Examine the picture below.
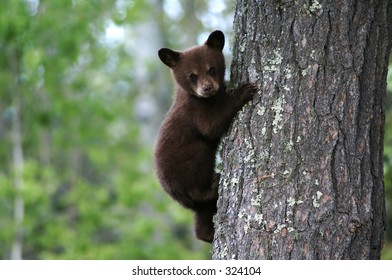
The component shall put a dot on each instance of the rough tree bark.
(302, 170)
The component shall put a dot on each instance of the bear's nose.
(208, 88)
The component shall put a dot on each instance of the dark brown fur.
(190, 134)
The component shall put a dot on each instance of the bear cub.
(189, 136)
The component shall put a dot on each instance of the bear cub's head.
(199, 70)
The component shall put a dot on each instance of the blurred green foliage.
(88, 186)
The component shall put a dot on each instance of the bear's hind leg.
(204, 226)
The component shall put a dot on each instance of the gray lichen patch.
(316, 199)
(277, 108)
(274, 62)
(314, 8)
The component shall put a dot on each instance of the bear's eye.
(212, 71)
(193, 78)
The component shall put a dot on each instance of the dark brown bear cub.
(201, 113)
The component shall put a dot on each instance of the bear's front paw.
(246, 91)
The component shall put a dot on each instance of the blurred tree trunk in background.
(17, 155)
(303, 165)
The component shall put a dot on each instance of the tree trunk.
(17, 158)
(302, 170)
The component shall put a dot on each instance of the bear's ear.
(169, 57)
(216, 40)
